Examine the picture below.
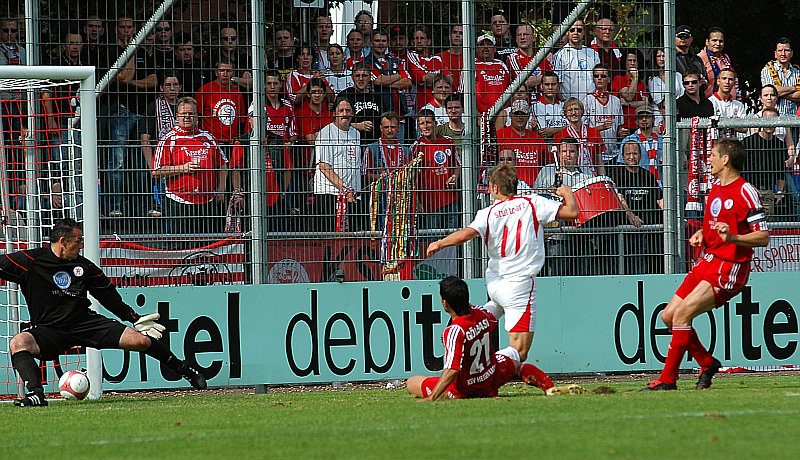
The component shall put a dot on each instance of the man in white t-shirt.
(604, 112)
(338, 176)
(725, 103)
(574, 64)
(548, 109)
(512, 230)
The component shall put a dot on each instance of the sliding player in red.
(734, 223)
(472, 369)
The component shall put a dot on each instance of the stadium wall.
(316, 333)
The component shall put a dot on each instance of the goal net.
(48, 148)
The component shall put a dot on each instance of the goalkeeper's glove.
(148, 326)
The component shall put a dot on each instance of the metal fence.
(296, 194)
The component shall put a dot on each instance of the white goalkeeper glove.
(148, 326)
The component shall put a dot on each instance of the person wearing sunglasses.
(693, 103)
(574, 64)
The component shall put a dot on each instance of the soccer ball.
(74, 385)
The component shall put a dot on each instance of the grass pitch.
(740, 417)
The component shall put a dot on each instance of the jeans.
(120, 126)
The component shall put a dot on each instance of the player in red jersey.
(471, 368)
(734, 223)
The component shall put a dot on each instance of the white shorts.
(515, 299)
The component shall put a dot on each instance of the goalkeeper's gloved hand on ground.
(148, 326)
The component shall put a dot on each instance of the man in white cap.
(530, 150)
(492, 76)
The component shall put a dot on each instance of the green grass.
(741, 417)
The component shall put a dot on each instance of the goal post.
(77, 185)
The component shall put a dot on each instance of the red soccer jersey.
(454, 63)
(295, 81)
(310, 122)
(222, 111)
(491, 80)
(438, 165)
(530, 150)
(418, 66)
(179, 147)
(467, 348)
(518, 60)
(738, 205)
(629, 113)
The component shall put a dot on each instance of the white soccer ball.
(74, 385)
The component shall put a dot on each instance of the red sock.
(532, 374)
(677, 348)
(699, 352)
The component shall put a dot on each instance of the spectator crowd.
(176, 120)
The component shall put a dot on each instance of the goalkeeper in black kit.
(55, 281)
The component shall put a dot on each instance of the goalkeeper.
(55, 281)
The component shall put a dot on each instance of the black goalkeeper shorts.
(90, 330)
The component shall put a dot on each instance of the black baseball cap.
(683, 32)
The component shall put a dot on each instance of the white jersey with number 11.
(513, 234)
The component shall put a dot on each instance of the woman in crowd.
(297, 81)
(630, 89)
(339, 77)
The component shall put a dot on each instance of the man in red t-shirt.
(423, 66)
(437, 182)
(196, 172)
(517, 61)
(221, 106)
(452, 58)
(734, 223)
(491, 75)
(529, 148)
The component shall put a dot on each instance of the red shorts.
(504, 372)
(727, 278)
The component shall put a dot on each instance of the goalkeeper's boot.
(704, 381)
(193, 376)
(31, 399)
(657, 385)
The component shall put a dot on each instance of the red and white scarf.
(651, 146)
(584, 156)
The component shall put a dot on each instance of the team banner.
(128, 263)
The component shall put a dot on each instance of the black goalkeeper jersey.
(55, 289)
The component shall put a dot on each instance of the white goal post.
(35, 80)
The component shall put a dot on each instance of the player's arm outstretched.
(454, 239)
(106, 293)
(569, 211)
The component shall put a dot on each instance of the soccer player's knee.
(138, 342)
(666, 317)
(21, 342)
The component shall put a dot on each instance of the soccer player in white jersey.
(512, 231)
